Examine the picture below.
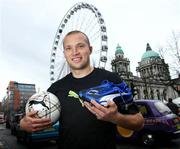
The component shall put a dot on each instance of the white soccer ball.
(47, 105)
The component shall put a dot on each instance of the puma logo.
(76, 96)
(39, 102)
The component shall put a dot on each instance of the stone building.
(153, 77)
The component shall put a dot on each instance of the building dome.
(149, 53)
(119, 50)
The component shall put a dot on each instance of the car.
(177, 100)
(48, 134)
(159, 124)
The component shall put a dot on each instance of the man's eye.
(67, 49)
(81, 46)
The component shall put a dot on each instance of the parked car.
(48, 134)
(160, 124)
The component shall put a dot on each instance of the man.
(172, 106)
(84, 125)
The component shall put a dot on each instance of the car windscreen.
(162, 108)
(177, 102)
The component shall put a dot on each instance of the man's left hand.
(106, 113)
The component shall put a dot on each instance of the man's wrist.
(117, 118)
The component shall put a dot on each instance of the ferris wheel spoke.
(92, 25)
(89, 21)
(82, 19)
(75, 23)
(78, 19)
(95, 36)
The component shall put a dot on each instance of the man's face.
(77, 51)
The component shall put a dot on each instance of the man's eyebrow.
(81, 43)
(67, 46)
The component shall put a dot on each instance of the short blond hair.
(77, 32)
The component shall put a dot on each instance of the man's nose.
(75, 50)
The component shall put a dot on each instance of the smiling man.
(85, 125)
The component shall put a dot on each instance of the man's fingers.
(37, 120)
(31, 114)
(89, 107)
(95, 108)
(41, 126)
(98, 106)
(92, 109)
(110, 103)
(42, 121)
(100, 111)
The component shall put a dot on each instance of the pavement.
(2, 145)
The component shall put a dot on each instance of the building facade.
(153, 77)
(16, 98)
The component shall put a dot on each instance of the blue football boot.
(120, 93)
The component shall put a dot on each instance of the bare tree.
(162, 51)
(174, 52)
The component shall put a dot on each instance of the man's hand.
(108, 113)
(111, 114)
(31, 124)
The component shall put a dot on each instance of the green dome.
(119, 50)
(149, 53)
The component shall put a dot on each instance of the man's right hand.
(31, 124)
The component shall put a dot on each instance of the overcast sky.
(28, 27)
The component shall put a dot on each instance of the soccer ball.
(47, 105)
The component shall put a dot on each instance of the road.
(8, 141)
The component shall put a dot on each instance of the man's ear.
(90, 48)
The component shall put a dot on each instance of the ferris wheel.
(86, 18)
